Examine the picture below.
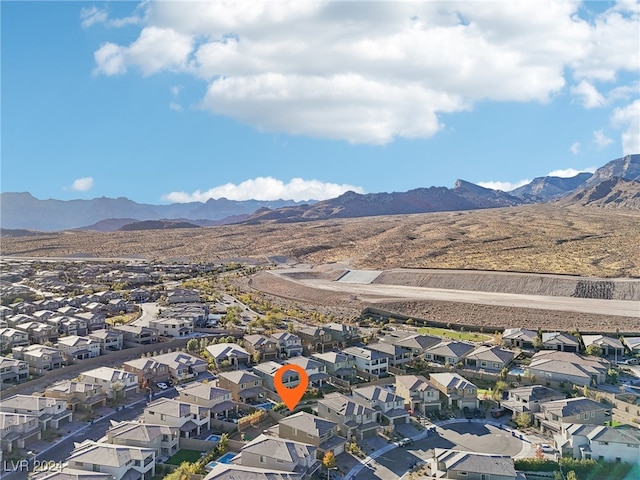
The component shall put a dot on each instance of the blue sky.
(179, 101)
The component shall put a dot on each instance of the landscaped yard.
(453, 335)
(184, 456)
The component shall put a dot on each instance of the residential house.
(290, 345)
(562, 342)
(172, 327)
(223, 471)
(230, 352)
(265, 348)
(416, 343)
(78, 395)
(68, 310)
(370, 361)
(139, 295)
(598, 442)
(39, 332)
(315, 339)
(455, 390)
(342, 334)
(528, 399)
(66, 473)
(219, 401)
(19, 319)
(189, 418)
(182, 366)
(122, 462)
(338, 365)
(245, 387)
(182, 295)
(418, 393)
(74, 347)
(43, 315)
(313, 430)
(18, 430)
(316, 371)
(136, 334)
(51, 412)
(10, 337)
(41, 359)
(267, 371)
(519, 338)
(472, 466)
(96, 308)
(553, 415)
(396, 354)
(489, 358)
(448, 352)
(12, 371)
(633, 344)
(390, 405)
(116, 306)
(105, 296)
(571, 368)
(611, 347)
(278, 454)
(161, 438)
(148, 370)
(115, 382)
(110, 340)
(69, 325)
(95, 320)
(354, 417)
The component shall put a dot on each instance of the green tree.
(499, 388)
(223, 444)
(594, 350)
(290, 327)
(255, 357)
(571, 475)
(523, 420)
(193, 345)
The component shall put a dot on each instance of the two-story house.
(266, 347)
(51, 412)
(137, 334)
(355, 418)
(232, 353)
(338, 364)
(598, 442)
(367, 360)
(10, 337)
(316, 371)
(95, 320)
(190, 419)
(182, 366)
(342, 334)
(218, 401)
(148, 370)
(110, 340)
(74, 347)
(18, 430)
(455, 390)
(78, 395)
(245, 387)
(396, 354)
(418, 393)
(553, 415)
(489, 358)
(290, 345)
(390, 405)
(161, 438)
(172, 327)
(13, 371)
(41, 359)
(278, 454)
(122, 462)
(116, 383)
(528, 399)
(267, 371)
(316, 340)
(39, 332)
(313, 430)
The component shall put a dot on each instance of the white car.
(546, 448)
(162, 386)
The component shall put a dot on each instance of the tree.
(290, 327)
(499, 388)
(192, 345)
(223, 444)
(116, 388)
(329, 460)
(523, 420)
(571, 475)
(594, 350)
(255, 357)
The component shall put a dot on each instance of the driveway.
(458, 435)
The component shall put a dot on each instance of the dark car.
(498, 412)
(477, 413)
(467, 413)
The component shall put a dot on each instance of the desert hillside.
(535, 238)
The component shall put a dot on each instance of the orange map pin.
(291, 396)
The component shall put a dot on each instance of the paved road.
(473, 437)
(383, 293)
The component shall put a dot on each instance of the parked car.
(477, 413)
(546, 448)
(404, 442)
(498, 412)
(162, 385)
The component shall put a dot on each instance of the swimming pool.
(518, 371)
(213, 438)
(226, 459)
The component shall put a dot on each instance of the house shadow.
(471, 428)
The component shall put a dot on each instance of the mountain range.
(616, 184)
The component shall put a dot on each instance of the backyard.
(190, 456)
(453, 335)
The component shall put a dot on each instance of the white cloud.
(629, 118)
(600, 139)
(504, 186)
(569, 172)
(575, 148)
(369, 75)
(266, 188)
(92, 15)
(176, 107)
(82, 184)
(588, 95)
